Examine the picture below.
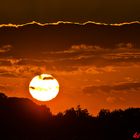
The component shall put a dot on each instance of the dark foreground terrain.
(21, 119)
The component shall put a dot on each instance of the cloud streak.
(5, 48)
(67, 22)
(109, 88)
(77, 59)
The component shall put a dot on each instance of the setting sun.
(44, 87)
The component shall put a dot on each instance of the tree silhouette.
(104, 113)
(21, 118)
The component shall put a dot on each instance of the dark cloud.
(48, 78)
(110, 88)
(66, 47)
(52, 10)
(32, 87)
(96, 56)
(67, 38)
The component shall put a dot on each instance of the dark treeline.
(22, 119)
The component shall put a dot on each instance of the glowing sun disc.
(44, 87)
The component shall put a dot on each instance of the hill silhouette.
(22, 119)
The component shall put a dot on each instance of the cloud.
(83, 47)
(9, 61)
(80, 59)
(48, 78)
(67, 22)
(125, 54)
(78, 50)
(70, 47)
(21, 70)
(125, 46)
(109, 88)
(5, 48)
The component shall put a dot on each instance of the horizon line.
(67, 22)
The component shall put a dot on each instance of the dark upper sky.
(109, 11)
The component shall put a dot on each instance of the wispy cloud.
(67, 22)
(109, 88)
(5, 48)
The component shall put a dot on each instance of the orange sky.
(97, 66)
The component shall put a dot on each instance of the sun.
(44, 87)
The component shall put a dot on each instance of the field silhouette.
(22, 119)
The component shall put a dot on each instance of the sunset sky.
(96, 65)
